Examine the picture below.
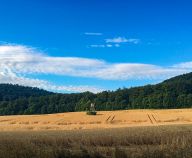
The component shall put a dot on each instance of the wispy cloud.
(114, 42)
(97, 46)
(93, 33)
(122, 40)
(10, 77)
(184, 65)
(17, 62)
(104, 45)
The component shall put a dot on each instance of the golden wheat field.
(103, 119)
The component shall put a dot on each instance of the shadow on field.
(137, 142)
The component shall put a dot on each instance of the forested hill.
(173, 93)
(10, 92)
(181, 78)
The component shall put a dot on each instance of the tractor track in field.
(152, 119)
(110, 119)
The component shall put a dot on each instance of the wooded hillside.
(173, 93)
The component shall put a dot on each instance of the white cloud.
(104, 45)
(109, 45)
(127, 71)
(122, 40)
(93, 33)
(17, 62)
(185, 65)
(134, 41)
(97, 46)
(7, 76)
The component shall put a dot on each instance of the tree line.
(173, 93)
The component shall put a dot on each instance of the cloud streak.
(93, 33)
(122, 40)
(14, 79)
(18, 61)
(104, 45)
(115, 42)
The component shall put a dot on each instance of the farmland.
(135, 142)
(103, 119)
(116, 134)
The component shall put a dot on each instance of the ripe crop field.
(171, 141)
(109, 134)
(103, 119)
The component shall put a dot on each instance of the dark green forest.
(173, 93)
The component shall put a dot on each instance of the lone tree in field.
(92, 111)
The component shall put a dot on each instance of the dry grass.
(104, 119)
(136, 142)
(151, 134)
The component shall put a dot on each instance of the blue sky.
(112, 44)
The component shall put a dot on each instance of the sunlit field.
(103, 119)
(118, 134)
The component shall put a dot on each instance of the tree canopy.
(173, 93)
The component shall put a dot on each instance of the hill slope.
(173, 93)
(11, 92)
